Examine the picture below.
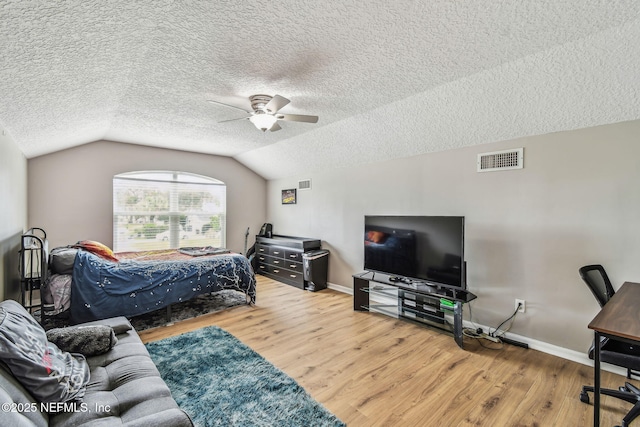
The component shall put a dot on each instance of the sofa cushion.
(48, 373)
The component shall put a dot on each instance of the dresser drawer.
(276, 252)
(290, 255)
(276, 262)
(289, 276)
(292, 265)
(262, 268)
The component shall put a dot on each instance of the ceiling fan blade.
(275, 127)
(297, 118)
(276, 103)
(227, 105)
(233, 120)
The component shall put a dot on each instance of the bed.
(94, 284)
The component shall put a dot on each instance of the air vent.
(305, 184)
(501, 160)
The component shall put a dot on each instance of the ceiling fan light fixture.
(264, 113)
(264, 122)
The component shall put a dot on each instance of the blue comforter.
(103, 289)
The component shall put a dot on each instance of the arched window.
(163, 209)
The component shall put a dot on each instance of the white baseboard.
(340, 288)
(565, 353)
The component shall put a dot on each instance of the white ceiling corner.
(386, 79)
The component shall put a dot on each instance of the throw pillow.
(89, 340)
(48, 373)
(96, 248)
(61, 260)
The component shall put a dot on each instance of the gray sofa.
(124, 388)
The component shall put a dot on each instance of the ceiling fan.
(265, 112)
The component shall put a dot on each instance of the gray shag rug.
(202, 304)
(219, 381)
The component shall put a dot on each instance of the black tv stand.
(422, 302)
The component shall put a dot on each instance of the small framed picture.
(289, 197)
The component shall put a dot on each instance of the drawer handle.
(261, 249)
(276, 262)
(293, 276)
(276, 271)
(276, 253)
(293, 256)
(262, 267)
(293, 266)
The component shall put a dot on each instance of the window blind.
(163, 209)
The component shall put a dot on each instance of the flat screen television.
(419, 248)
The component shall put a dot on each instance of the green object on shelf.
(447, 303)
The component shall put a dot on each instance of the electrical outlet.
(520, 305)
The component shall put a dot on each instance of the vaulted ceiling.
(387, 79)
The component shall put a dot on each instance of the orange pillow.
(97, 248)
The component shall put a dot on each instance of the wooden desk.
(619, 319)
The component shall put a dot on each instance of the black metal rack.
(34, 250)
(419, 302)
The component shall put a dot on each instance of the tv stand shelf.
(421, 302)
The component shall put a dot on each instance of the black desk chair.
(615, 352)
(596, 278)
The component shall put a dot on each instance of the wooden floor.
(373, 370)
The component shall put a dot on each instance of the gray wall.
(528, 231)
(70, 191)
(13, 213)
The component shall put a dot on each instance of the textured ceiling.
(387, 79)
